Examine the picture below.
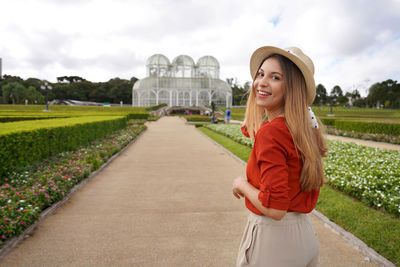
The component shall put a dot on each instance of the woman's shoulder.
(275, 127)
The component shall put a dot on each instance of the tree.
(360, 102)
(355, 94)
(32, 82)
(33, 96)
(239, 93)
(133, 80)
(388, 90)
(60, 91)
(342, 100)
(336, 91)
(70, 79)
(321, 95)
(14, 93)
(121, 90)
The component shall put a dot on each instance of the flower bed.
(371, 175)
(28, 191)
(368, 174)
(232, 131)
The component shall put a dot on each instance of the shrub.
(21, 146)
(152, 108)
(369, 127)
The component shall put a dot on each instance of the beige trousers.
(290, 242)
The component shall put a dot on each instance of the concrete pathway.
(165, 201)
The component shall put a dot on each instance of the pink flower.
(3, 236)
(18, 218)
(22, 223)
(16, 193)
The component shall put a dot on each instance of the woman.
(284, 171)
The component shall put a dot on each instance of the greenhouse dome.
(208, 66)
(157, 65)
(182, 83)
(183, 66)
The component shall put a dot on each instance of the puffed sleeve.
(244, 131)
(271, 157)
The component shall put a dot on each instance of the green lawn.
(354, 114)
(378, 230)
(66, 111)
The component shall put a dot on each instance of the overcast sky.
(352, 43)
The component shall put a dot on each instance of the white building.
(182, 83)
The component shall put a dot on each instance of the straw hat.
(301, 60)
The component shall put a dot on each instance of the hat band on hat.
(291, 52)
(314, 122)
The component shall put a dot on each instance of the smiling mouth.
(263, 93)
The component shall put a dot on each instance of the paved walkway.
(165, 201)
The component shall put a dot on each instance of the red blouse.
(274, 168)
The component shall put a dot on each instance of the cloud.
(349, 41)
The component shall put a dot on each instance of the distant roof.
(158, 59)
(208, 61)
(183, 60)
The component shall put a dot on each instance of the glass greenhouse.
(182, 83)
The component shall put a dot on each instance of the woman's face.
(269, 85)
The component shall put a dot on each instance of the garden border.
(10, 244)
(347, 236)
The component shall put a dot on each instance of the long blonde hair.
(309, 142)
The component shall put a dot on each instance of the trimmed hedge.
(138, 116)
(152, 108)
(12, 118)
(198, 118)
(328, 122)
(131, 116)
(364, 127)
(23, 145)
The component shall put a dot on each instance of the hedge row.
(138, 116)
(67, 111)
(152, 108)
(19, 147)
(364, 127)
(198, 118)
(34, 116)
(15, 118)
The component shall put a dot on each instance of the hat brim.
(263, 52)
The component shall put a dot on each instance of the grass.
(241, 151)
(353, 114)
(378, 230)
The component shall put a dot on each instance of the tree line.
(384, 94)
(15, 90)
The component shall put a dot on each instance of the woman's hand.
(237, 187)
